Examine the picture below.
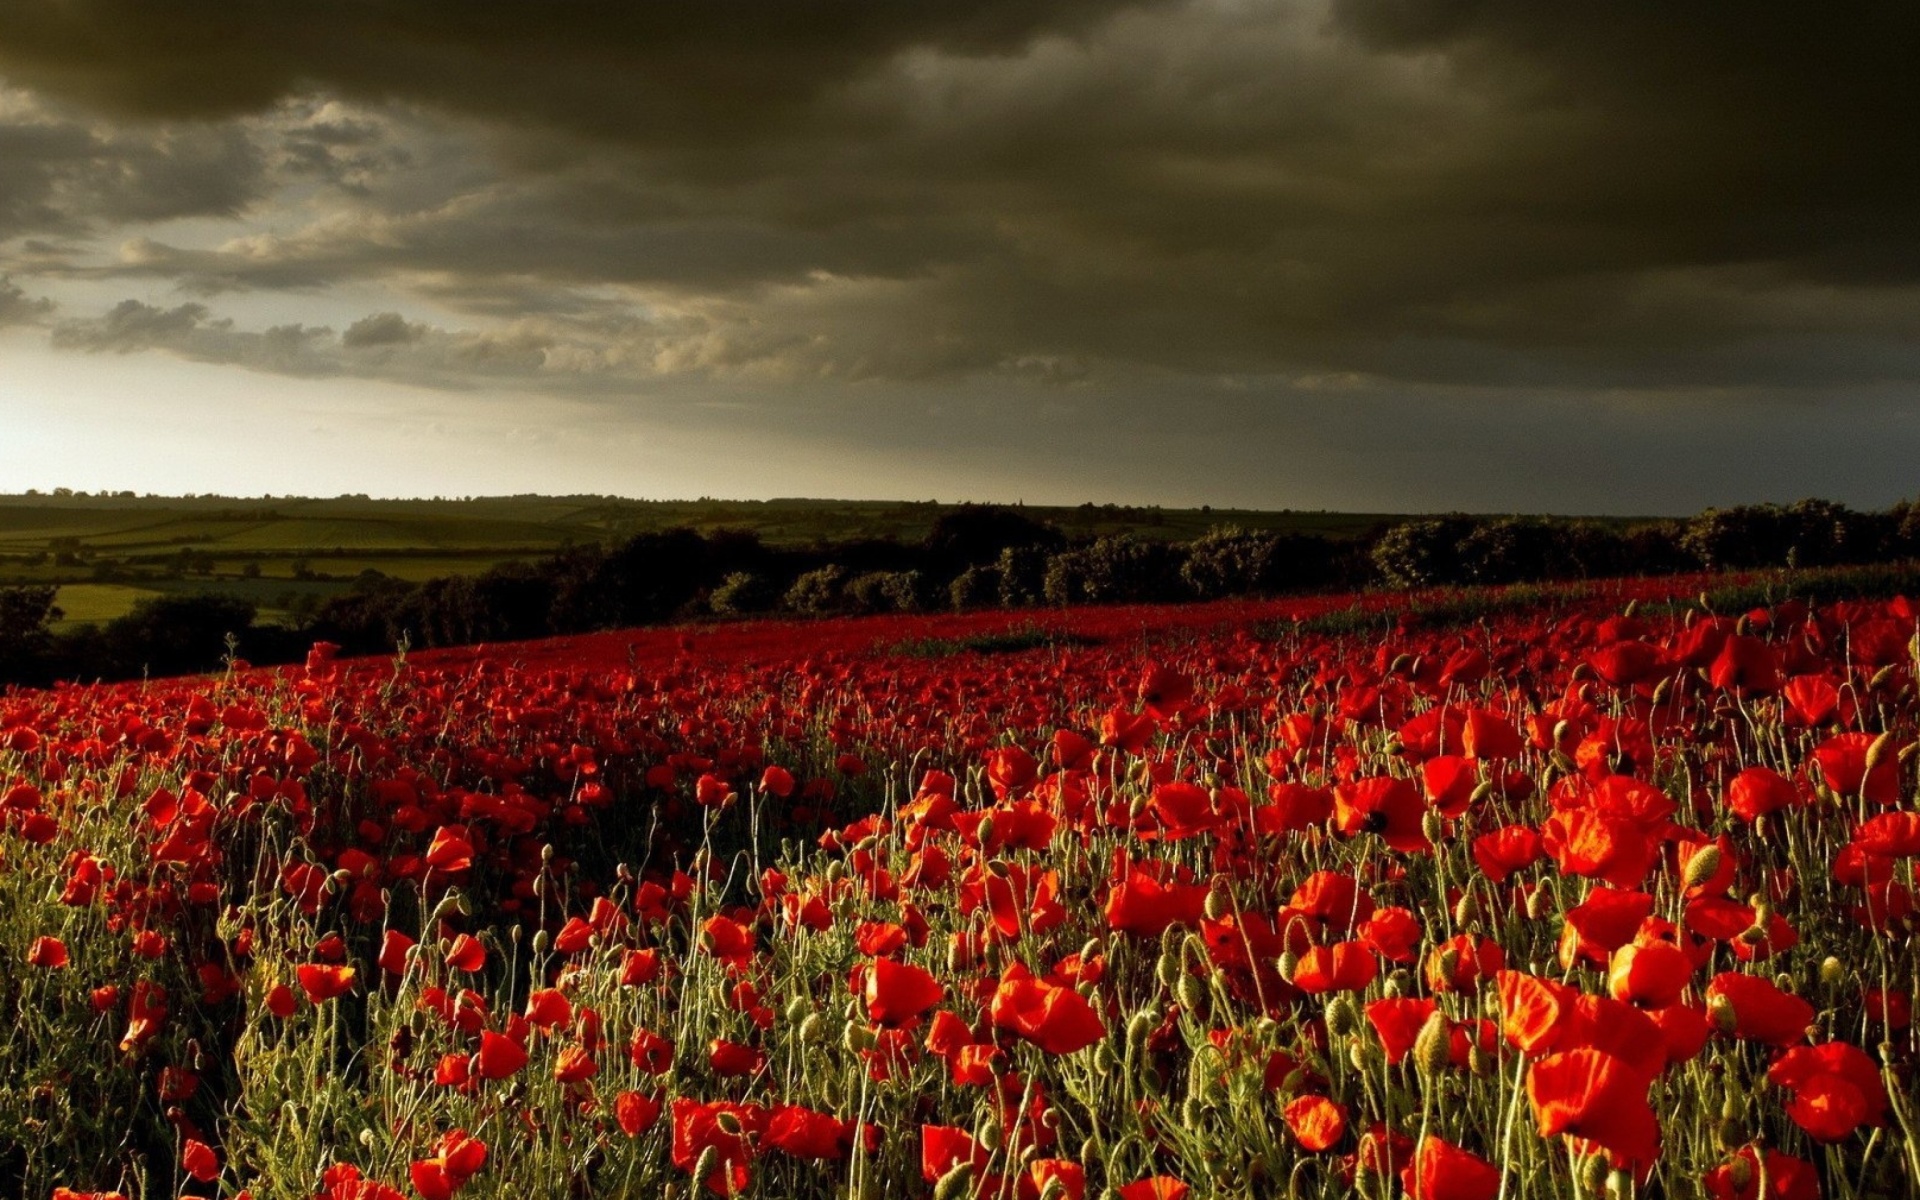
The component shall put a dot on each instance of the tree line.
(973, 557)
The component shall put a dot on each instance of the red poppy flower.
(635, 1112)
(1059, 1020)
(1341, 967)
(1596, 1097)
(1397, 1021)
(1070, 1174)
(1141, 904)
(499, 1056)
(322, 981)
(1459, 963)
(730, 1130)
(1441, 1170)
(48, 952)
(1158, 1187)
(200, 1161)
(1392, 808)
(1836, 1089)
(466, 954)
(1317, 1122)
(1757, 791)
(1651, 976)
(944, 1147)
(1533, 1011)
(1761, 1011)
(732, 1058)
(1786, 1177)
(899, 993)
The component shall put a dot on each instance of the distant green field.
(107, 552)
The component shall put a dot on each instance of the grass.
(1011, 641)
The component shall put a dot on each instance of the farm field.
(110, 551)
(1599, 891)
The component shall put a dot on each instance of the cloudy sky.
(1366, 254)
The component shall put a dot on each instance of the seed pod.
(1704, 865)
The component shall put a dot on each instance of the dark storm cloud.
(1422, 192)
(62, 175)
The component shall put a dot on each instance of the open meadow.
(1602, 893)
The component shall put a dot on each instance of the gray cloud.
(18, 308)
(1329, 198)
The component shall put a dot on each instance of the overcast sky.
(1373, 254)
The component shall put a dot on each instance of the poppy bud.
(1219, 901)
(1342, 1017)
(546, 854)
(1878, 751)
(706, 1164)
(1619, 1185)
(1140, 1028)
(1432, 825)
(1465, 911)
(1433, 1048)
(1720, 1009)
(728, 1123)
(1880, 677)
(810, 1029)
(1192, 993)
(1479, 1061)
(1537, 902)
(1740, 1173)
(856, 1038)
(954, 1183)
(1833, 972)
(541, 941)
(1704, 865)
(1662, 690)
(1286, 965)
(989, 1133)
(1593, 1171)
(986, 830)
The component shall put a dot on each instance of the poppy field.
(1607, 895)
